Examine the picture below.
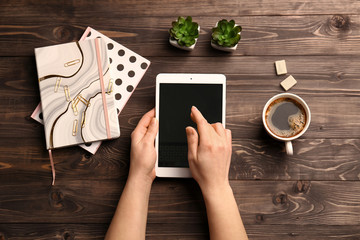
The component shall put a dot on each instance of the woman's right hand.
(209, 153)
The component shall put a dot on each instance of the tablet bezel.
(175, 78)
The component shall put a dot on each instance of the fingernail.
(188, 131)
(153, 121)
(195, 108)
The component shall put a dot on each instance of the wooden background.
(314, 194)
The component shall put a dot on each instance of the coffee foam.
(295, 121)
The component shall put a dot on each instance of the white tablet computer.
(175, 95)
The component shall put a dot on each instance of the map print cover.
(125, 82)
(76, 93)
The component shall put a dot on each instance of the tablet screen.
(175, 102)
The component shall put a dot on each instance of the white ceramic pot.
(176, 44)
(221, 48)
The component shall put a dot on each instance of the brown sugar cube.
(288, 83)
(280, 67)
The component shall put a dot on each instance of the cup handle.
(289, 148)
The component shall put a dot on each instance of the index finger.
(143, 125)
(201, 122)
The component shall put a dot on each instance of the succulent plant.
(226, 34)
(184, 31)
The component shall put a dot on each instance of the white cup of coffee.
(286, 117)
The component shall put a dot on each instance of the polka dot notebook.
(126, 66)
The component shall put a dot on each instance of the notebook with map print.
(78, 104)
(127, 67)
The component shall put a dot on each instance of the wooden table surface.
(314, 194)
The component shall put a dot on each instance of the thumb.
(193, 140)
(152, 130)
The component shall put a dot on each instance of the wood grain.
(314, 159)
(330, 87)
(52, 231)
(243, 117)
(311, 195)
(171, 231)
(176, 202)
(323, 76)
(332, 34)
(127, 8)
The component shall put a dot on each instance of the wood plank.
(148, 36)
(318, 159)
(266, 202)
(119, 9)
(28, 159)
(52, 231)
(265, 159)
(322, 76)
(330, 86)
(334, 117)
(180, 202)
(257, 232)
(172, 231)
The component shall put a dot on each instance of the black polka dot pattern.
(126, 65)
(121, 53)
(120, 67)
(144, 65)
(131, 73)
(132, 59)
(118, 96)
(89, 34)
(88, 144)
(41, 116)
(130, 88)
(118, 81)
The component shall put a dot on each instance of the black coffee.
(285, 117)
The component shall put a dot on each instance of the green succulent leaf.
(181, 20)
(184, 31)
(232, 23)
(226, 34)
(238, 29)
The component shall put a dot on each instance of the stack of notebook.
(64, 65)
(84, 86)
